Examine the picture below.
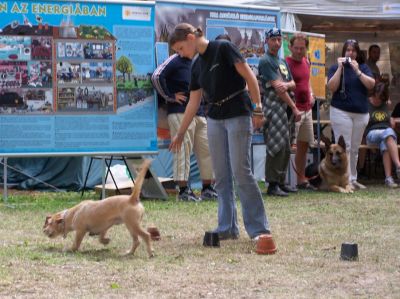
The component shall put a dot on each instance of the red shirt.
(301, 75)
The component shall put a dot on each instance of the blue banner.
(75, 78)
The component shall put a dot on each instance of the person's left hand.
(176, 143)
(355, 66)
(258, 121)
(279, 86)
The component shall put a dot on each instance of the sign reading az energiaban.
(75, 78)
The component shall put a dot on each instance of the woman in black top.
(222, 73)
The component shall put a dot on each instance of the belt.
(231, 96)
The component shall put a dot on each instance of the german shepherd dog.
(96, 217)
(333, 169)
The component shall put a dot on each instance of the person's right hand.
(296, 115)
(340, 61)
(176, 143)
(180, 98)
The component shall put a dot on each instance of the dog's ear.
(48, 217)
(326, 140)
(59, 218)
(341, 142)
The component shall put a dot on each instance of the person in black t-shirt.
(379, 132)
(221, 72)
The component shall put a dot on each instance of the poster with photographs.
(65, 64)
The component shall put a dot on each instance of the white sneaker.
(389, 182)
(357, 186)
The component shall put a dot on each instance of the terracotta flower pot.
(154, 233)
(265, 245)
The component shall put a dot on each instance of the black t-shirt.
(214, 71)
(379, 117)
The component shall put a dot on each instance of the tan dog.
(96, 217)
(333, 169)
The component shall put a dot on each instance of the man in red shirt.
(300, 69)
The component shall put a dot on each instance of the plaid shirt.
(276, 128)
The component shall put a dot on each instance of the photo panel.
(39, 74)
(97, 72)
(12, 101)
(38, 100)
(41, 47)
(69, 50)
(98, 50)
(68, 73)
(95, 98)
(13, 74)
(15, 47)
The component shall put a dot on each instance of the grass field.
(308, 228)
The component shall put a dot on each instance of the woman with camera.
(349, 81)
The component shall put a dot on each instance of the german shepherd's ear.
(341, 142)
(326, 140)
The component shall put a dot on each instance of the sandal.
(306, 186)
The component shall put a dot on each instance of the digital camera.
(347, 60)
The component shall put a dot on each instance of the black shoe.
(288, 189)
(276, 191)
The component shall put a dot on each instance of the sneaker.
(188, 195)
(258, 236)
(357, 186)
(208, 193)
(389, 182)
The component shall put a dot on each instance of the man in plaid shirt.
(277, 83)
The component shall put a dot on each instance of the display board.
(316, 56)
(75, 78)
(245, 25)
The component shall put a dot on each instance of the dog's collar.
(63, 215)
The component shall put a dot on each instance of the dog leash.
(295, 170)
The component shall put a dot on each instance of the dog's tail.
(134, 199)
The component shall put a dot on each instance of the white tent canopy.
(343, 8)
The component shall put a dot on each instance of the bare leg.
(392, 149)
(300, 159)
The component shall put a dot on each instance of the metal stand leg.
(87, 176)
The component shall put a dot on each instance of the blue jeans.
(379, 136)
(229, 142)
